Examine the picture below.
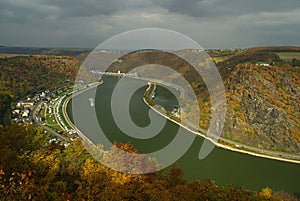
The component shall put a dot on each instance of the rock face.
(264, 107)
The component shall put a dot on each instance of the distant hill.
(228, 65)
(276, 49)
(42, 51)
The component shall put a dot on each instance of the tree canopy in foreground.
(31, 168)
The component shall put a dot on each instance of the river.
(222, 166)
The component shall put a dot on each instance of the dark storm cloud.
(218, 8)
(76, 8)
(212, 23)
(20, 10)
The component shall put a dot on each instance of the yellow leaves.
(243, 117)
(286, 132)
(228, 94)
(202, 124)
(289, 110)
(90, 169)
(215, 60)
(11, 179)
(269, 78)
(233, 96)
(206, 104)
(47, 164)
(236, 108)
(266, 193)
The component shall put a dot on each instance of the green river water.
(222, 166)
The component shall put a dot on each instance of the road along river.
(223, 166)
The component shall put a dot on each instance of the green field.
(60, 111)
(51, 122)
(288, 55)
(49, 118)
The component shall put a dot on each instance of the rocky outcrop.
(264, 107)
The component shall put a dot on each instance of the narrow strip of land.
(36, 122)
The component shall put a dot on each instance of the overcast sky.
(211, 23)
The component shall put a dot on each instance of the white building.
(25, 113)
(16, 112)
(263, 64)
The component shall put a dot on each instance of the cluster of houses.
(176, 112)
(23, 108)
(265, 64)
(118, 73)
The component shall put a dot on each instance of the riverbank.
(66, 116)
(250, 150)
(222, 166)
(273, 157)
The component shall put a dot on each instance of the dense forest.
(24, 75)
(32, 168)
(275, 49)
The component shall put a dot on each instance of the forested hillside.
(31, 168)
(24, 75)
